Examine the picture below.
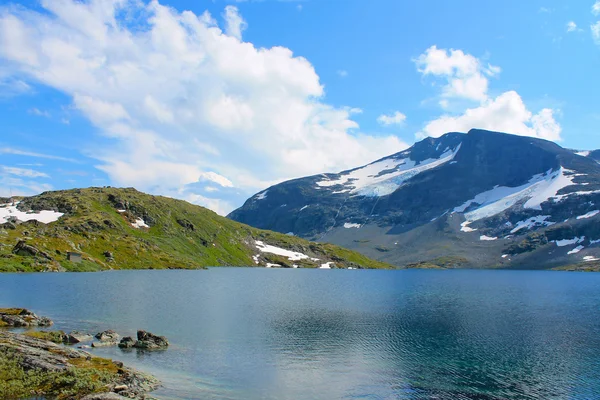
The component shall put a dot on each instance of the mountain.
(480, 199)
(125, 229)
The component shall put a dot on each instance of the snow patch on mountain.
(569, 242)
(385, 176)
(538, 189)
(139, 223)
(584, 153)
(590, 258)
(487, 238)
(464, 227)
(576, 250)
(589, 215)
(261, 196)
(349, 225)
(291, 255)
(533, 222)
(7, 211)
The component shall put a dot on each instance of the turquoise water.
(249, 333)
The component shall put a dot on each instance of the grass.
(589, 266)
(181, 235)
(11, 311)
(51, 336)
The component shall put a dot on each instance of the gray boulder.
(127, 342)
(108, 336)
(149, 341)
(78, 337)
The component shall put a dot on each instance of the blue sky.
(212, 101)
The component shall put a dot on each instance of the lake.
(250, 333)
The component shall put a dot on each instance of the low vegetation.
(73, 383)
(99, 224)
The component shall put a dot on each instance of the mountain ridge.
(481, 181)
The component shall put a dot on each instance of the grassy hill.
(125, 229)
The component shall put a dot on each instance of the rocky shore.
(40, 364)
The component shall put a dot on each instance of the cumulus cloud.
(234, 23)
(465, 75)
(396, 118)
(181, 98)
(571, 26)
(595, 28)
(467, 78)
(505, 113)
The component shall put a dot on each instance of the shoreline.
(40, 364)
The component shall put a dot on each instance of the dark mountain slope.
(503, 187)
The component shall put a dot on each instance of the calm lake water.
(249, 333)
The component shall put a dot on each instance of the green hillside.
(99, 223)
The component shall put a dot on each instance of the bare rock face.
(21, 317)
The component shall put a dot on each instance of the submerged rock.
(106, 343)
(21, 317)
(103, 396)
(149, 341)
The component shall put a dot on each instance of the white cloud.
(505, 113)
(342, 73)
(24, 172)
(467, 78)
(466, 75)
(38, 112)
(234, 23)
(571, 26)
(180, 98)
(396, 118)
(10, 150)
(595, 28)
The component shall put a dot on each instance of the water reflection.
(279, 334)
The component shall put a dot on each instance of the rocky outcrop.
(145, 340)
(149, 341)
(23, 249)
(107, 339)
(108, 336)
(21, 317)
(33, 354)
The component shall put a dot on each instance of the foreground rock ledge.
(60, 368)
(21, 317)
